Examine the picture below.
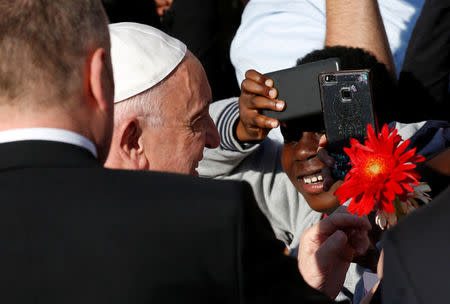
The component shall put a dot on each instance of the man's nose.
(212, 135)
(307, 146)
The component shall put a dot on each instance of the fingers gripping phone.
(347, 108)
(298, 87)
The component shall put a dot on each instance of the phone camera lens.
(330, 78)
(346, 94)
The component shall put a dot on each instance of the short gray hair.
(44, 47)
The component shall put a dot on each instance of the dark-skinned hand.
(257, 93)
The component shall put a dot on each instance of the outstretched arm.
(240, 124)
(358, 23)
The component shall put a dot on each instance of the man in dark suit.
(417, 249)
(74, 232)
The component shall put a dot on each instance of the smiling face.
(301, 164)
(176, 145)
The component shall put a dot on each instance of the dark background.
(207, 27)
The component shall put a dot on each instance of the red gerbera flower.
(381, 169)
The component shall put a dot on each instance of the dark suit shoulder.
(92, 234)
(416, 255)
(427, 223)
(74, 232)
(169, 188)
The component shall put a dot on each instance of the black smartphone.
(298, 87)
(347, 108)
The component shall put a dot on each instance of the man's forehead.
(186, 92)
(197, 85)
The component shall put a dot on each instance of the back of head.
(383, 85)
(45, 46)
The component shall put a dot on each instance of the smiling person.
(281, 164)
(161, 119)
(285, 172)
(280, 161)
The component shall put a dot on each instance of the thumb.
(323, 141)
(334, 258)
(335, 248)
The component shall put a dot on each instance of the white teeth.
(313, 179)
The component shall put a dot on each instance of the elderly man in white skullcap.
(162, 96)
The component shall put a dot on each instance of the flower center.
(375, 166)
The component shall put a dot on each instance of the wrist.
(244, 139)
(241, 133)
(238, 130)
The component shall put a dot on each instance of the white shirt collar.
(49, 134)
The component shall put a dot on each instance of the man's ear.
(101, 83)
(132, 149)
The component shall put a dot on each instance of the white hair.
(147, 104)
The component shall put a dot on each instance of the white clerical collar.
(49, 134)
